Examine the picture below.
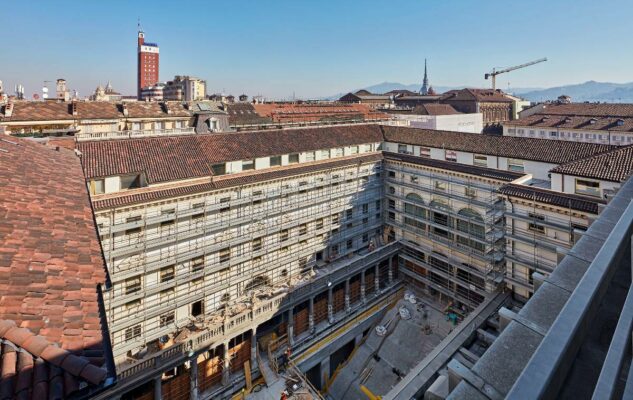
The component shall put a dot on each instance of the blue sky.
(316, 48)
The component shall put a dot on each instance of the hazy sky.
(315, 48)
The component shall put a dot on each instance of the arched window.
(257, 282)
(472, 224)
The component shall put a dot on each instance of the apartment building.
(578, 122)
(89, 120)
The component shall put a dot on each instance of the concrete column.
(348, 306)
(363, 299)
(325, 370)
(311, 315)
(158, 388)
(226, 365)
(377, 279)
(254, 348)
(291, 326)
(330, 305)
(391, 269)
(193, 379)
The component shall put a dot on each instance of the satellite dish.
(36, 96)
(45, 96)
(45, 89)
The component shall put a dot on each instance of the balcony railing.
(82, 137)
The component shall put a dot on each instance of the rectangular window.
(480, 161)
(303, 229)
(283, 235)
(197, 264)
(248, 165)
(132, 332)
(293, 158)
(98, 186)
(167, 274)
(257, 244)
(365, 238)
(391, 204)
(425, 152)
(349, 214)
(588, 188)
(534, 225)
(354, 149)
(167, 319)
(451, 156)
(136, 230)
(218, 169)
(339, 152)
(377, 204)
(515, 165)
(470, 192)
(365, 208)
(350, 244)
(130, 182)
(335, 219)
(275, 161)
(325, 154)
(310, 156)
(402, 148)
(225, 255)
(133, 285)
(319, 223)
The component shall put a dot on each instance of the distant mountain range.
(588, 91)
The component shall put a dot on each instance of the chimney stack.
(8, 109)
(73, 106)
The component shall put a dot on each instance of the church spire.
(425, 83)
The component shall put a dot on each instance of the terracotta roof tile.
(36, 369)
(565, 200)
(545, 150)
(230, 181)
(596, 123)
(165, 159)
(615, 165)
(52, 110)
(49, 252)
(506, 176)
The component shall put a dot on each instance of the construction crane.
(494, 73)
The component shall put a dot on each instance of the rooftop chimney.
(73, 108)
(8, 109)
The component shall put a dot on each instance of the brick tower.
(148, 55)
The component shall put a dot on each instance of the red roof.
(50, 257)
(164, 159)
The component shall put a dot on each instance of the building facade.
(578, 122)
(185, 88)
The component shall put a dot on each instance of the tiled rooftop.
(173, 158)
(550, 151)
(501, 175)
(552, 121)
(231, 181)
(565, 200)
(51, 110)
(480, 95)
(615, 165)
(590, 109)
(50, 258)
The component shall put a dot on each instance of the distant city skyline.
(283, 48)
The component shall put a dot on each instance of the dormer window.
(131, 182)
(593, 121)
(619, 122)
